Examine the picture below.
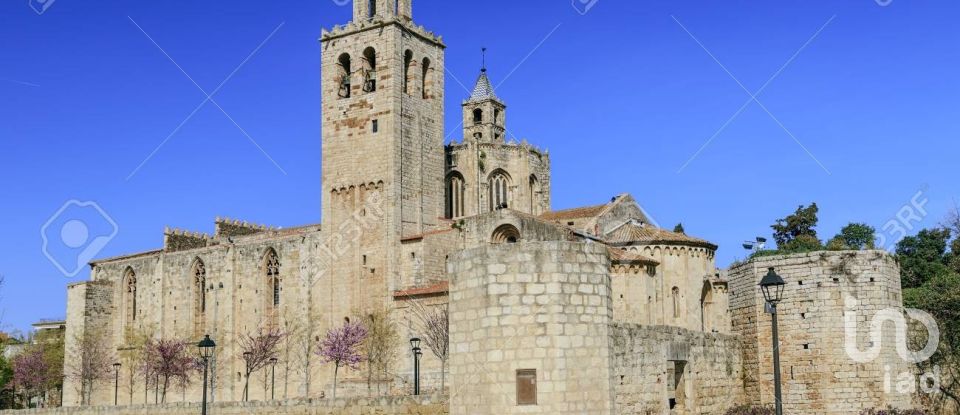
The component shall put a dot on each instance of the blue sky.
(860, 116)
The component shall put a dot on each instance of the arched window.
(499, 184)
(496, 116)
(455, 189)
(343, 78)
(534, 195)
(477, 116)
(407, 72)
(505, 234)
(371, 8)
(129, 298)
(427, 80)
(199, 274)
(271, 268)
(676, 302)
(706, 306)
(369, 69)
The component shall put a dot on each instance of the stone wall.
(819, 375)
(88, 329)
(542, 306)
(708, 379)
(425, 405)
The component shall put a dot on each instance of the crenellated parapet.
(226, 227)
(180, 240)
(377, 22)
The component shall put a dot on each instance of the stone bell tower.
(382, 104)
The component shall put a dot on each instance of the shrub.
(751, 410)
(893, 411)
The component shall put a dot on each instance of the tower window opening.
(477, 116)
(407, 73)
(369, 70)
(427, 80)
(376, 126)
(371, 8)
(344, 77)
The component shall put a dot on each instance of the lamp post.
(116, 383)
(206, 347)
(415, 344)
(772, 286)
(246, 384)
(273, 378)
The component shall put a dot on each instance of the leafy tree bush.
(679, 229)
(923, 256)
(801, 223)
(857, 236)
(893, 411)
(751, 410)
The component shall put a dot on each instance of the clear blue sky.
(623, 96)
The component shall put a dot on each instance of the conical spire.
(482, 90)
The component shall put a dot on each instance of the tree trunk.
(246, 388)
(443, 374)
(336, 368)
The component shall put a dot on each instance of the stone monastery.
(590, 310)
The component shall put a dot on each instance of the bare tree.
(380, 346)
(299, 348)
(434, 323)
(90, 363)
(257, 349)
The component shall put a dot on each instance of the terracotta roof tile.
(575, 213)
(440, 288)
(632, 232)
(619, 255)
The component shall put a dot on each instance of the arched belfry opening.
(344, 69)
(369, 69)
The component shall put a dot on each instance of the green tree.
(679, 228)
(940, 297)
(797, 232)
(924, 256)
(856, 236)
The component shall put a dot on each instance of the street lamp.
(206, 347)
(116, 383)
(415, 344)
(772, 286)
(273, 378)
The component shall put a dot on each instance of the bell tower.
(484, 114)
(382, 137)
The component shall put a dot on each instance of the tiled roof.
(632, 232)
(440, 288)
(482, 90)
(619, 255)
(575, 213)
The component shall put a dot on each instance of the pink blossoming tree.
(30, 371)
(169, 360)
(341, 346)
